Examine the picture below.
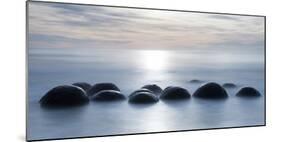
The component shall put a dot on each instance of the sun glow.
(154, 60)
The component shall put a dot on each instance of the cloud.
(225, 17)
(65, 25)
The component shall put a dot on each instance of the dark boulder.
(102, 86)
(248, 92)
(229, 85)
(143, 97)
(173, 93)
(108, 95)
(154, 88)
(210, 91)
(65, 95)
(84, 85)
(195, 81)
(142, 90)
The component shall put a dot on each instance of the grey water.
(130, 69)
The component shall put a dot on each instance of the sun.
(154, 60)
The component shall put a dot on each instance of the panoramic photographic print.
(105, 70)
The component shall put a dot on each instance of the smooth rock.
(248, 92)
(108, 95)
(195, 81)
(229, 85)
(211, 91)
(142, 90)
(84, 85)
(102, 86)
(143, 97)
(65, 95)
(174, 92)
(154, 88)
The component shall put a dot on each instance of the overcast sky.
(64, 25)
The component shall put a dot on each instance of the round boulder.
(84, 85)
(195, 81)
(102, 86)
(248, 92)
(153, 88)
(65, 95)
(229, 85)
(142, 90)
(143, 97)
(174, 93)
(210, 91)
(108, 95)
